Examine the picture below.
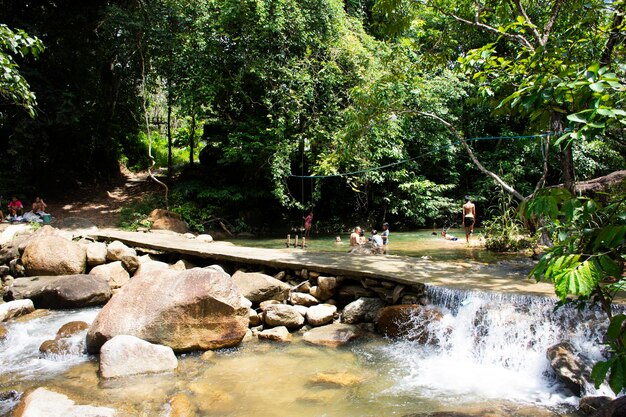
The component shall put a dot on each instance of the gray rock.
(61, 292)
(362, 310)
(128, 355)
(258, 287)
(283, 315)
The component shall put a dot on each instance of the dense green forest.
(362, 110)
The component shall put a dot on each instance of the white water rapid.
(493, 346)
(20, 358)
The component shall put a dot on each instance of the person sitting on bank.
(376, 239)
(447, 236)
(355, 237)
(39, 206)
(16, 208)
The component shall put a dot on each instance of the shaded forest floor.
(100, 204)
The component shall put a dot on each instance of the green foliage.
(13, 85)
(135, 214)
(587, 261)
(615, 365)
(505, 230)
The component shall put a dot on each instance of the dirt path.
(101, 204)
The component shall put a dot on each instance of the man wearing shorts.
(469, 217)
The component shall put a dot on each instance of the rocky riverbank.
(156, 307)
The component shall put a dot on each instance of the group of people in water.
(357, 237)
(16, 212)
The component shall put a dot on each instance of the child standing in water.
(385, 234)
(308, 223)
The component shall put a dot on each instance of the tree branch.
(521, 10)
(480, 166)
(547, 29)
(616, 27)
(477, 23)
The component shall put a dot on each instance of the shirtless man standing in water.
(469, 217)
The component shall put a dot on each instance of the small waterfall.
(493, 346)
(19, 352)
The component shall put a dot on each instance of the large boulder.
(54, 255)
(115, 274)
(59, 292)
(128, 355)
(16, 308)
(45, 403)
(258, 287)
(568, 366)
(283, 315)
(332, 335)
(197, 309)
(362, 310)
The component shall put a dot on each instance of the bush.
(505, 232)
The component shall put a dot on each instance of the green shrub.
(505, 232)
(135, 214)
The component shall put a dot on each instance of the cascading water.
(21, 360)
(483, 350)
(493, 346)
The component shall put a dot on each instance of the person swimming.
(447, 236)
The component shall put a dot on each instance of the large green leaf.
(599, 371)
(616, 379)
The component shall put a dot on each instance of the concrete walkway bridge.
(503, 277)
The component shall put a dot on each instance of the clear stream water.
(486, 356)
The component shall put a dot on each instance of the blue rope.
(378, 168)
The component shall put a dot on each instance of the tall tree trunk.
(565, 155)
(192, 134)
(169, 138)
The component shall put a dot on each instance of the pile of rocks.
(328, 310)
